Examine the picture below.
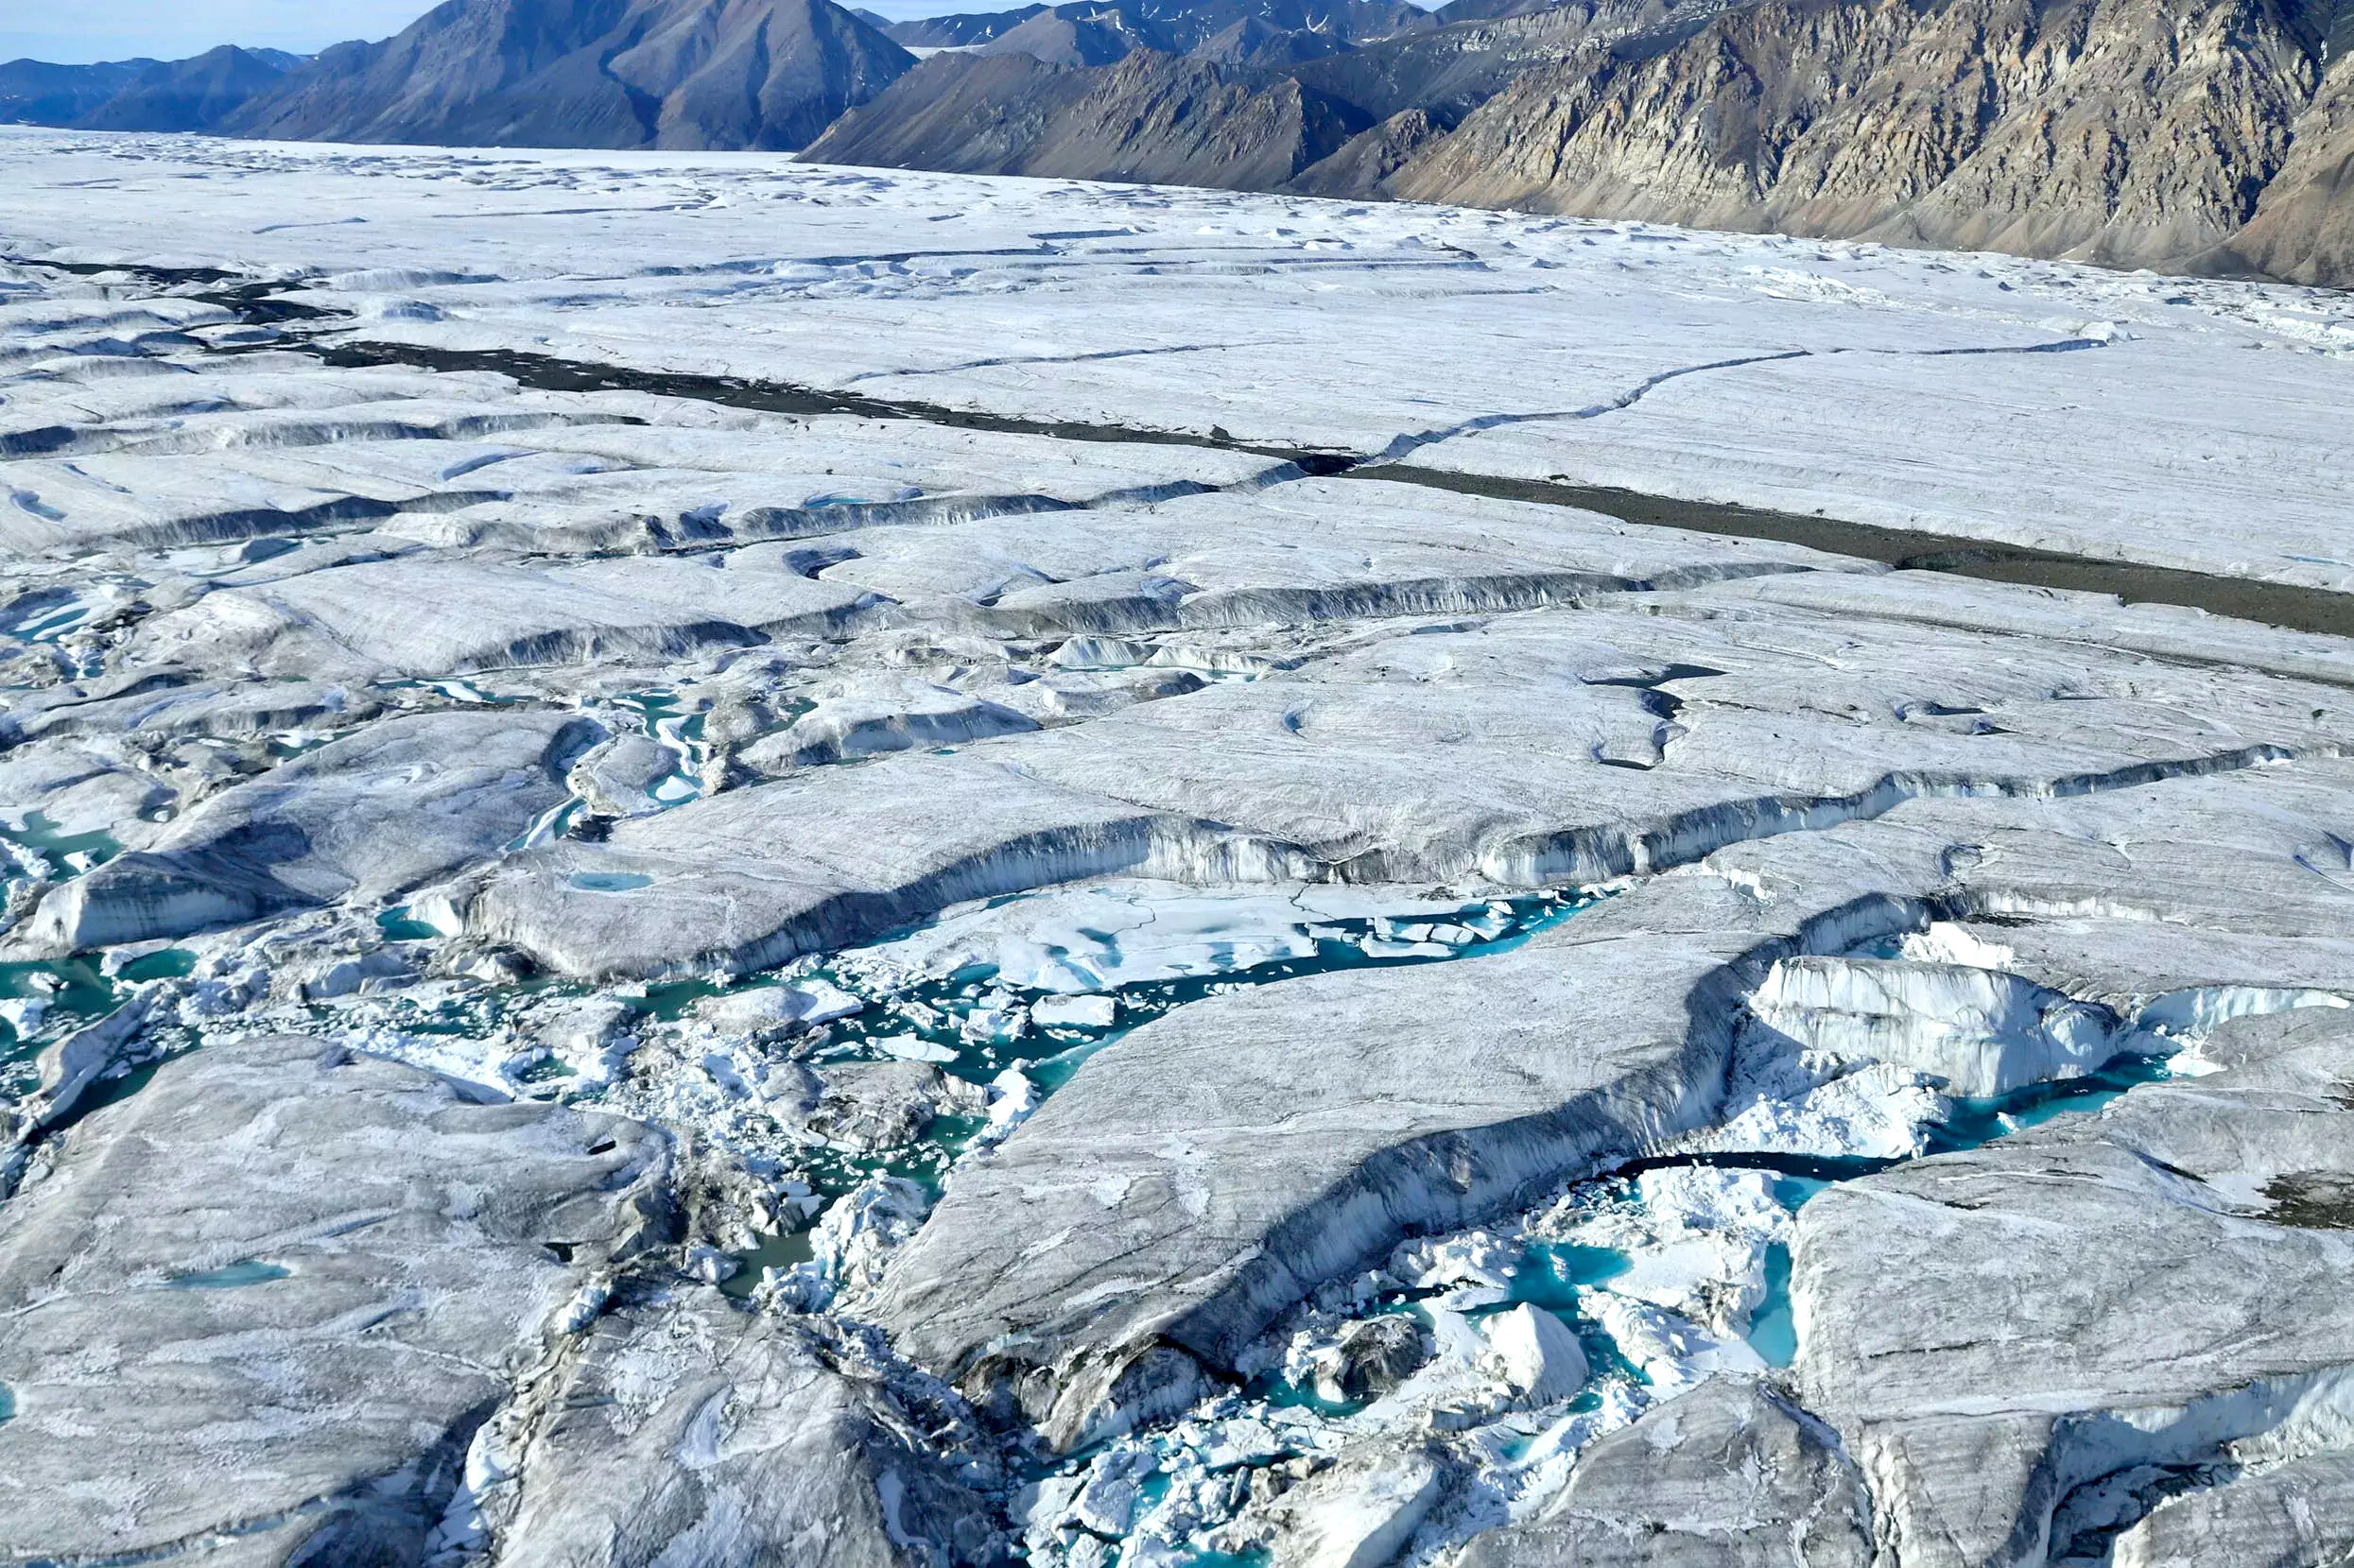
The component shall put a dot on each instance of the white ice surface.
(1086, 939)
(2199, 424)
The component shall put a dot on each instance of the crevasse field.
(712, 862)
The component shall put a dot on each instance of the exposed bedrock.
(1151, 117)
(2073, 141)
(2033, 1346)
(2304, 226)
(766, 74)
(310, 1271)
(1729, 1476)
(1194, 1179)
(684, 1432)
(397, 804)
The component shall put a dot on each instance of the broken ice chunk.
(1376, 947)
(1003, 1021)
(590, 1038)
(875, 1104)
(1084, 1012)
(908, 1047)
(1981, 1030)
(710, 1265)
(1537, 1355)
(1011, 1099)
(1672, 1352)
(1946, 942)
(1369, 1358)
(856, 1235)
(823, 1003)
(619, 776)
(776, 1007)
(584, 1307)
(1357, 1513)
(1107, 1503)
(1100, 653)
(1469, 1257)
(726, 1074)
(1694, 1241)
(1877, 1113)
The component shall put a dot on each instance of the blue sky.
(79, 30)
(74, 31)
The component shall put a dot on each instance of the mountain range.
(2189, 135)
(687, 75)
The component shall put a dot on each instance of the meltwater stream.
(256, 303)
(1667, 1271)
(1033, 984)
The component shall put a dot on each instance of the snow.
(2199, 424)
(1078, 940)
(805, 1001)
(1979, 1031)
(2196, 423)
(1093, 1012)
(1671, 1352)
(1537, 1355)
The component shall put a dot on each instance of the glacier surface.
(709, 861)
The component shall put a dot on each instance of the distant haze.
(75, 32)
(79, 31)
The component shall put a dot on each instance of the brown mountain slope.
(680, 73)
(1369, 157)
(2131, 131)
(189, 94)
(2303, 228)
(1151, 117)
(1246, 122)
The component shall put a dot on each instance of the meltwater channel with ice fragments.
(1162, 878)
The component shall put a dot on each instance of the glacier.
(705, 860)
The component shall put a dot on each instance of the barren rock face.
(2009, 127)
(1151, 117)
(709, 72)
(2301, 231)
(2185, 135)
(895, 871)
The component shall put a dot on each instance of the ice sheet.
(2193, 423)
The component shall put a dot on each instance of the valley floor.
(712, 861)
